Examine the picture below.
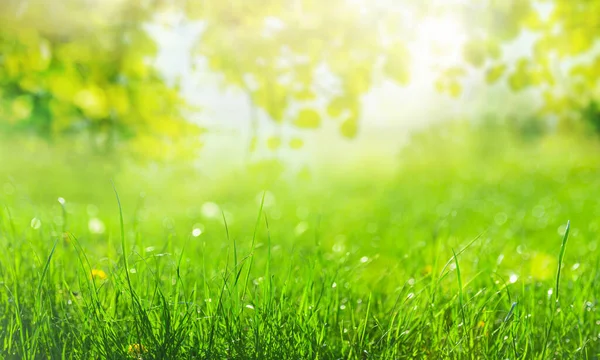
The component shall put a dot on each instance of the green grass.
(458, 255)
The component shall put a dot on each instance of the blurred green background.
(183, 103)
(448, 117)
(195, 91)
(383, 135)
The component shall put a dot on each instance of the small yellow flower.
(99, 274)
(426, 270)
(481, 324)
(136, 350)
(66, 238)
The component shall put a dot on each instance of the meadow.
(480, 245)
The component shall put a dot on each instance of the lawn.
(462, 252)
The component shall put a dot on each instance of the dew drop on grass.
(562, 229)
(342, 307)
(364, 259)
(196, 232)
(575, 266)
(133, 271)
(538, 211)
(513, 278)
(301, 228)
(61, 200)
(96, 226)
(500, 218)
(339, 245)
(500, 258)
(210, 210)
(36, 223)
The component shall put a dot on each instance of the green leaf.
(349, 128)
(494, 73)
(296, 143)
(337, 106)
(474, 53)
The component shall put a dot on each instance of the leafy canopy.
(86, 66)
(81, 67)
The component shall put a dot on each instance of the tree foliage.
(288, 54)
(79, 66)
(563, 64)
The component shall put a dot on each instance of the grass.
(458, 255)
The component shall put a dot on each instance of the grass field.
(462, 253)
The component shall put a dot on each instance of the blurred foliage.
(80, 67)
(563, 64)
(283, 54)
(85, 67)
(277, 52)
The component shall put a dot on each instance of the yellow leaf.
(64, 86)
(92, 101)
(454, 89)
(22, 107)
(119, 99)
(308, 119)
(349, 127)
(494, 73)
(304, 95)
(474, 53)
(296, 143)
(517, 82)
(337, 106)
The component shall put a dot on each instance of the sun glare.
(439, 41)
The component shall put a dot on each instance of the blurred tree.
(305, 61)
(85, 67)
(563, 64)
